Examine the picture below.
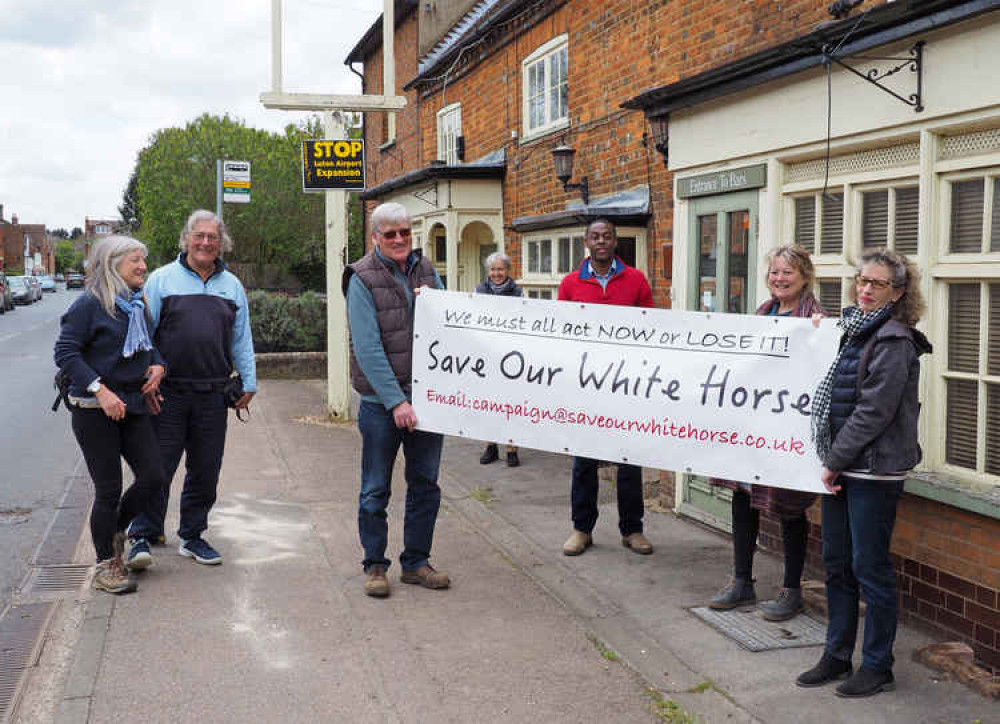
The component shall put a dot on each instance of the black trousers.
(191, 423)
(746, 525)
(104, 443)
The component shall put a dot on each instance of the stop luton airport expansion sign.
(333, 165)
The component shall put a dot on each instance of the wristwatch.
(94, 386)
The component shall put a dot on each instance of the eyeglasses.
(204, 236)
(393, 233)
(879, 284)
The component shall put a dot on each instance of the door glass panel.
(739, 238)
(708, 236)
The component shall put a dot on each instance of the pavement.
(282, 631)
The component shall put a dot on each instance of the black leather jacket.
(875, 430)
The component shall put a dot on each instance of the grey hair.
(389, 213)
(205, 215)
(905, 275)
(495, 257)
(103, 279)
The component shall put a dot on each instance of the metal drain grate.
(48, 582)
(20, 634)
(749, 629)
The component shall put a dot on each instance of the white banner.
(723, 395)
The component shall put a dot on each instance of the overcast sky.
(85, 83)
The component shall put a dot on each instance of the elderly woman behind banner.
(499, 282)
(105, 349)
(865, 430)
(790, 278)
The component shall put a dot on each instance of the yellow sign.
(329, 165)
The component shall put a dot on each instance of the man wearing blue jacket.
(202, 328)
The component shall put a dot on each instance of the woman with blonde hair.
(104, 348)
(790, 278)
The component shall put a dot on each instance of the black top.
(90, 346)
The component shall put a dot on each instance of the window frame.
(542, 55)
(447, 145)
(551, 280)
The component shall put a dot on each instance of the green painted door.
(722, 234)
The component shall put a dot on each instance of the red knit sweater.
(627, 287)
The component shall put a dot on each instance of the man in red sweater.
(603, 278)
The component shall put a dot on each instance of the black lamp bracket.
(583, 187)
(914, 61)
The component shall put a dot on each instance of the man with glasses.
(381, 288)
(202, 328)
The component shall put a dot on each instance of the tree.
(67, 257)
(175, 174)
(59, 233)
(129, 211)
(76, 233)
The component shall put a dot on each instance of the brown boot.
(426, 576)
(376, 582)
(112, 577)
(577, 543)
(638, 543)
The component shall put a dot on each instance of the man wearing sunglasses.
(381, 289)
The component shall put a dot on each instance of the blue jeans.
(857, 529)
(192, 423)
(583, 496)
(380, 439)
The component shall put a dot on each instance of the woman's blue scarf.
(137, 339)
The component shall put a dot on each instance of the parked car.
(47, 283)
(6, 295)
(74, 280)
(59, 278)
(36, 287)
(21, 290)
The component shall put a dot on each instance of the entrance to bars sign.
(236, 182)
(724, 395)
(333, 165)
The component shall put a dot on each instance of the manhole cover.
(749, 629)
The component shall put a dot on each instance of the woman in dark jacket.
(865, 429)
(105, 348)
(499, 282)
(790, 278)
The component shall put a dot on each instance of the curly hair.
(205, 215)
(905, 275)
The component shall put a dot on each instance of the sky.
(84, 84)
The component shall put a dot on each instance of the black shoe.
(512, 460)
(828, 669)
(738, 592)
(866, 683)
(490, 454)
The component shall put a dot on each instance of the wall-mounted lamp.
(660, 126)
(562, 159)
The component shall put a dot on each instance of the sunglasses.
(393, 233)
(876, 283)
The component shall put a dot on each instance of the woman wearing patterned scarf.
(790, 276)
(499, 283)
(864, 420)
(105, 349)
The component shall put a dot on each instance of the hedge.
(284, 323)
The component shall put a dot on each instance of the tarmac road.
(37, 449)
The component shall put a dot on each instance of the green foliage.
(67, 257)
(282, 323)
(175, 174)
(76, 233)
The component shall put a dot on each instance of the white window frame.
(550, 280)
(449, 128)
(541, 59)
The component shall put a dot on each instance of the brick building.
(93, 231)
(660, 101)
(12, 239)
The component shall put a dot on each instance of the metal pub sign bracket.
(914, 61)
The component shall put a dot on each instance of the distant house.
(93, 231)
(12, 241)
